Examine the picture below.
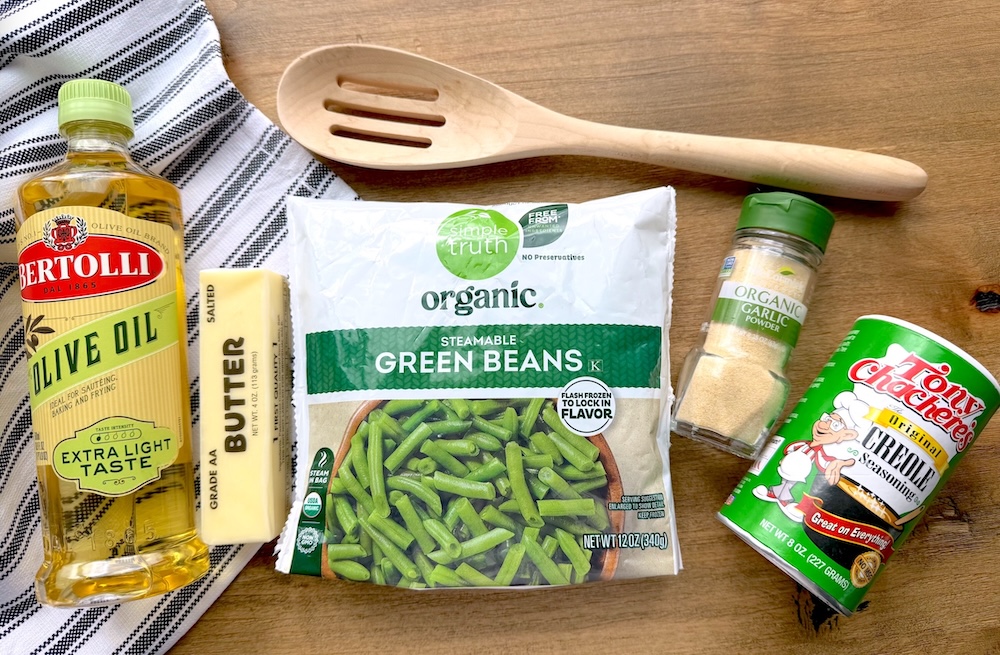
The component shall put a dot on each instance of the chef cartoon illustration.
(831, 428)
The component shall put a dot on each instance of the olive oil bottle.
(100, 252)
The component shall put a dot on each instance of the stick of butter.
(245, 402)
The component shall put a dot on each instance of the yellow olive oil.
(100, 252)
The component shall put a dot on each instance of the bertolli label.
(102, 328)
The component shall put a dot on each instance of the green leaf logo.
(543, 225)
(476, 244)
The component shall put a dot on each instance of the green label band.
(101, 346)
(312, 527)
(483, 356)
(761, 310)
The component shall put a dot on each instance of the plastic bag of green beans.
(482, 393)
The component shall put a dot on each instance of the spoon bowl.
(382, 108)
(379, 107)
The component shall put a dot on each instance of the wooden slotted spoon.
(383, 108)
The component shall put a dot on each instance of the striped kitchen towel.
(234, 169)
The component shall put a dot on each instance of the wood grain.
(914, 80)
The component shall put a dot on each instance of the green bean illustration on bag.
(447, 507)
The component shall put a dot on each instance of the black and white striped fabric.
(234, 169)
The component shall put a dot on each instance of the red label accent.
(63, 267)
(925, 388)
(837, 527)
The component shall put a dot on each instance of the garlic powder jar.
(732, 386)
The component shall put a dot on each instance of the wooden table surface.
(916, 80)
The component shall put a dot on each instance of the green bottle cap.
(789, 213)
(96, 100)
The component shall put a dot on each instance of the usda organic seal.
(312, 505)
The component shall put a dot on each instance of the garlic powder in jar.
(732, 386)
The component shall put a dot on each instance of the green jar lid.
(96, 100)
(790, 213)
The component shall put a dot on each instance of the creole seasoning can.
(844, 481)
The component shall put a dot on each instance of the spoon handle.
(813, 169)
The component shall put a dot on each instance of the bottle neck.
(85, 137)
(789, 245)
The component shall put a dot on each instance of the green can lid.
(97, 100)
(790, 213)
